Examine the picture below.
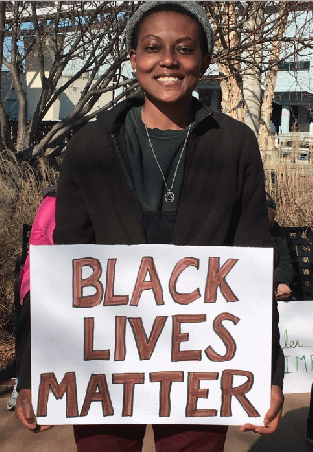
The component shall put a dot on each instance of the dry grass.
(21, 187)
(292, 190)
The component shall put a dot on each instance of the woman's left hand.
(272, 417)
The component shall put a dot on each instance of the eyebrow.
(184, 38)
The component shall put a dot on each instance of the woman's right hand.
(25, 413)
(283, 292)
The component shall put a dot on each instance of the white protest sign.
(296, 338)
(151, 334)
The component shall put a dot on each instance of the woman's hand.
(25, 413)
(283, 292)
(272, 417)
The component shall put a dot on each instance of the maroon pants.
(168, 438)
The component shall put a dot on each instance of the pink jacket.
(41, 234)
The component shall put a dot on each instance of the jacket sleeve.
(253, 225)
(253, 230)
(283, 271)
(22, 345)
(278, 360)
(24, 375)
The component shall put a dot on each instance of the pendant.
(169, 196)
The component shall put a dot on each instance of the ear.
(132, 58)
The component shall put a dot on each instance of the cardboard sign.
(151, 334)
(296, 338)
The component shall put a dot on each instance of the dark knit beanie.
(191, 7)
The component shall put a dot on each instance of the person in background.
(41, 234)
(283, 273)
(162, 168)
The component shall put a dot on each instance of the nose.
(168, 58)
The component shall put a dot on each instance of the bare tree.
(250, 43)
(61, 43)
(47, 38)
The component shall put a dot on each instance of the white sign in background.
(296, 338)
(101, 393)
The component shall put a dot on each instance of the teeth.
(168, 79)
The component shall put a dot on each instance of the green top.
(167, 145)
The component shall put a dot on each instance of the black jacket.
(222, 199)
(283, 268)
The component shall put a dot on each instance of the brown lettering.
(146, 346)
(216, 278)
(110, 299)
(67, 385)
(239, 392)
(88, 301)
(120, 346)
(183, 298)
(226, 337)
(166, 379)
(97, 391)
(195, 393)
(89, 352)
(178, 337)
(147, 265)
(128, 380)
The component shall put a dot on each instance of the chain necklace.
(169, 195)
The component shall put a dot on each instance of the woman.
(162, 169)
(41, 234)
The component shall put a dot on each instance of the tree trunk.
(230, 71)
(232, 94)
(5, 126)
(266, 110)
(22, 116)
(252, 68)
(15, 67)
(270, 81)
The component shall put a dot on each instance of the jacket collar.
(111, 120)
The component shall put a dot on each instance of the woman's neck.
(166, 117)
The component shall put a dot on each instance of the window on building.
(293, 66)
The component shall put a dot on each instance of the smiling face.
(168, 59)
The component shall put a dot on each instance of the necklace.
(169, 195)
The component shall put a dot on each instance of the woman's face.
(168, 59)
